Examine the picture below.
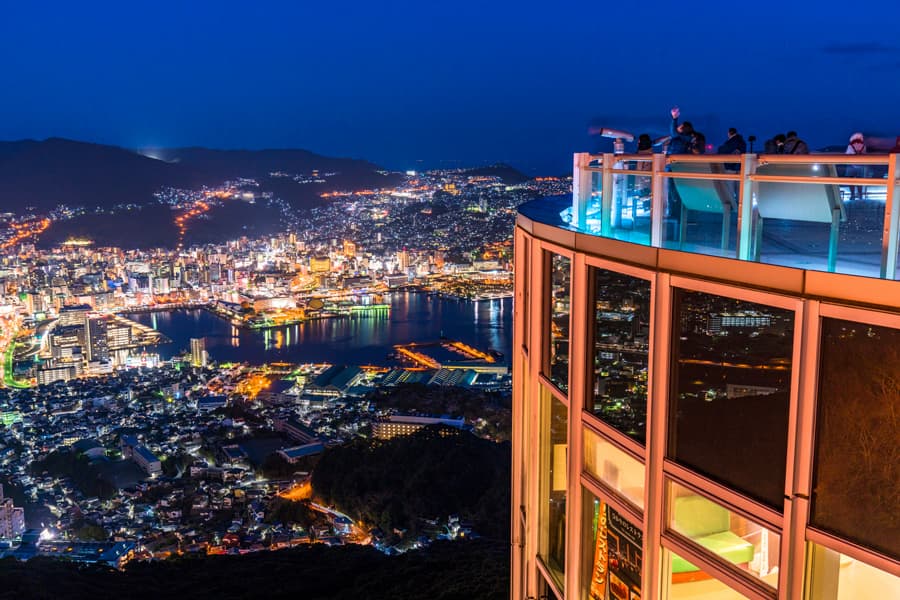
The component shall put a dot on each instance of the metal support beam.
(581, 189)
(891, 232)
(606, 199)
(746, 194)
(658, 194)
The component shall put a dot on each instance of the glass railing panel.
(835, 224)
(820, 226)
(701, 213)
(593, 222)
(630, 218)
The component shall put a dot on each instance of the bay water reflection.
(368, 339)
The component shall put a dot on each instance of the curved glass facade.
(721, 428)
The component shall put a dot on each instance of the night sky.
(420, 84)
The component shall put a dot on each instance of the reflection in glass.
(696, 583)
(614, 550)
(614, 467)
(834, 576)
(554, 452)
(856, 478)
(731, 378)
(560, 273)
(728, 535)
(621, 344)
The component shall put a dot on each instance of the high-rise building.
(12, 518)
(73, 315)
(703, 408)
(96, 344)
(403, 260)
(118, 336)
(199, 357)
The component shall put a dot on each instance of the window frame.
(547, 251)
(634, 272)
(773, 299)
(812, 534)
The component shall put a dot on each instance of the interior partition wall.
(678, 435)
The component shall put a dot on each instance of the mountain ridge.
(46, 173)
(37, 176)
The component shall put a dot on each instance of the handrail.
(616, 181)
(713, 176)
(861, 181)
(703, 158)
(825, 159)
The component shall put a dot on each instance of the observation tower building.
(706, 380)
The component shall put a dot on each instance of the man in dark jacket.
(735, 143)
(794, 145)
(681, 142)
(775, 145)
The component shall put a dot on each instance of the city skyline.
(411, 86)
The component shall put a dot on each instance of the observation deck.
(822, 215)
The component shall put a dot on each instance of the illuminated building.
(703, 408)
(96, 343)
(319, 264)
(146, 460)
(403, 260)
(50, 375)
(199, 356)
(12, 518)
(73, 315)
(397, 425)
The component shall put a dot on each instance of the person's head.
(791, 134)
(732, 132)
(644, 142)
(698, 142)
(779, 139)
(857, 139)
(687, 128)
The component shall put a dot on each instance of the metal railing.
(673, 201)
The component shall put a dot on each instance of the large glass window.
(831, 575)
(613, 552)
(856, 481)
(560, 276)
(730, 395)
(621, 345)
(614, 467)
(694, 582)
(554, 456)
(726, 534)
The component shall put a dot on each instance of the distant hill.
(44, 174)
(506, 173)
(41, 175)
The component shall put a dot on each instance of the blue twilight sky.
(409, 84)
